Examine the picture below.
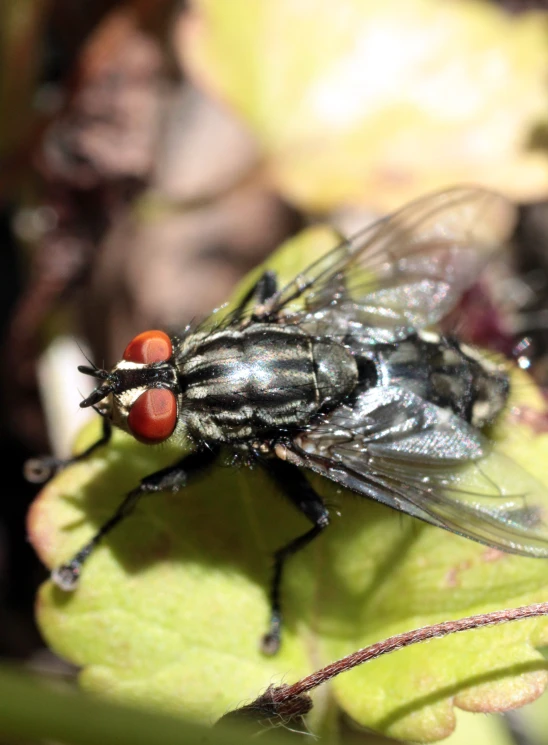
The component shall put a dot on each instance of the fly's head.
(140, 394)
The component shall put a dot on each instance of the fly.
(343, 372)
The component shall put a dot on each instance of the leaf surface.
(170, 609)
(375, 103)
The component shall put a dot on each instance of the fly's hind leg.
(172, 478)
(40, 470)
(265, 287)
(290, 479)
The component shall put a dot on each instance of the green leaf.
(374, 103)
(61, 714)
(171, 607)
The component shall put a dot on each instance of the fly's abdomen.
(448, 374)
(238, 384)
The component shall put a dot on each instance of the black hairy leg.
(171, 478)
(265, 287)
(294, 484)
(40, 470)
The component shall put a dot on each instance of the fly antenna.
(94, 371)
(97, 395)
(95, 408)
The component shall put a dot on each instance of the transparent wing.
(404, 272)
(392, 446)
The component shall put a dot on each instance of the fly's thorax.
(241, 383)
(336, 371)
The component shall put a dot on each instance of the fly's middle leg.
(299, 491)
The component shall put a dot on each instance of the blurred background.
(152, 152)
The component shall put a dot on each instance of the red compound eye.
(150, 346)
(153, 416)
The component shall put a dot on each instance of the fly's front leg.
(39, 470)
(172, 478)
(290, 479)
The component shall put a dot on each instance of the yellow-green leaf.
(170, 609)
(374, 103)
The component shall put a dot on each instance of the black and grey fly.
(343, 372)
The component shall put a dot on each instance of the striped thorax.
(239, 383)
